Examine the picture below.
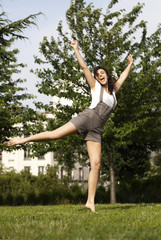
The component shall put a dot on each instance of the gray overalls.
(90, 122)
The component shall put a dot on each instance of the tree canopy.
(13, 115)
(106, 39)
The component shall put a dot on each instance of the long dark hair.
(111, 82)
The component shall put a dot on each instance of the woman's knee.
(95, 166)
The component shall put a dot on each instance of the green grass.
(74, 222)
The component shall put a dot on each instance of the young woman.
(90, 122)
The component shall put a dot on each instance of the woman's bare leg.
(94, 152)
(60, 132)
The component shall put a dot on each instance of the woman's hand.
(90, 79)
(74, 44)
(124, 74)
(130, 59)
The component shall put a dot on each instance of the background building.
(19, 160)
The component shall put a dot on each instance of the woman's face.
(102, 77)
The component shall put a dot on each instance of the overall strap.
(114, 97)
(101, 94)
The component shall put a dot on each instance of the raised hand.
(130, 59)
(74, 44)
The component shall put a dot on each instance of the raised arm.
(90, 79)
(124, 74)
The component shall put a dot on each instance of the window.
(72, 175)
(11, 156)
(10, 160)
(40, 169)
(11, 168)
(27, 154)
(61, 172)
(41, 157)
(27, 168)
(80, 173)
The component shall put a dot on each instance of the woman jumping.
(91, 121)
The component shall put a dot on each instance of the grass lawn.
(74, 222)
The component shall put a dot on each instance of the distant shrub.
(77, 196)
(102, 195)
(9, 199)
(152, 190)
(19, 200)
(25, 189)
(44, 198)
(1, 199)
(31, 198)
(140, 190)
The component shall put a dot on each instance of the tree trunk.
(112, 178)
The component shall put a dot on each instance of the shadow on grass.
(110, 207)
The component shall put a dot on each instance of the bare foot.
(16, 141)
(90, 206)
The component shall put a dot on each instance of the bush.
(139, 191)
(102, 196)
(77, 196)
(9, 199)
(23, 188)
(152, 190)
(44, 198)
(123, 191)
(1, 199)
(31, 199)
(19, 200)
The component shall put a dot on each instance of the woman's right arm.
(90, 79)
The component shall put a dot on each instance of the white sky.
(54, 11)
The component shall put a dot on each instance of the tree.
(105, 39)
(13, 115)
(134, 135)
(156, 163)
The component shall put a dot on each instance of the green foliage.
(106, 39)
(155, 164)
(138, 111)
(13, 115)
(102, 195)
(139, 191)
(112, 3)
(26, 189)
(46, 189)
(157, 159)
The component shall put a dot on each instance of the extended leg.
(60, 132)
(94, 152)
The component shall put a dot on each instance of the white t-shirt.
(107, 98)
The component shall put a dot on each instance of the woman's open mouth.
(102, 79)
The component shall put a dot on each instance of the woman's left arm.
(124, 74)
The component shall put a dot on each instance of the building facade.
(19, 160)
